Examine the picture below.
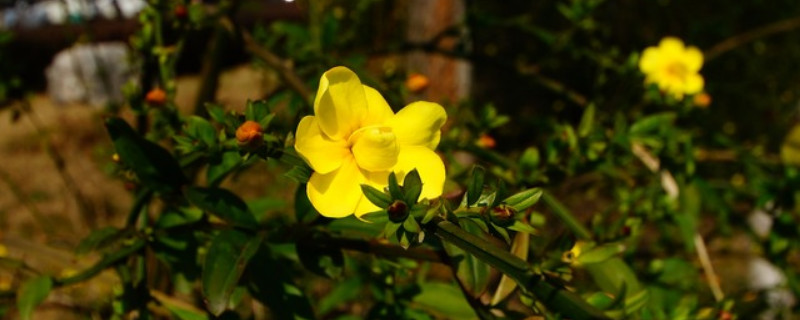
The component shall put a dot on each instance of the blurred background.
(511, 73)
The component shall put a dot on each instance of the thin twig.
(705, 261)
(282, 66)
(750, 36)
(671, 188)
(84, 207)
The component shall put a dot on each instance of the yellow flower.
(354, 138)
(673, 67)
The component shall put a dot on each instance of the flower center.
(374, 148)
(677, 69)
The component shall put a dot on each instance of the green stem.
(555, 298)
(563, 213)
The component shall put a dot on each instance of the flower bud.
(702, 100)
(416, 82)
(486, 141)
(398, 211)
(115, 158)
(249, 134)
(180, 12)
(156, 97)
(502, 215)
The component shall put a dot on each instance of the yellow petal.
(341, 103)
(694, 83)
(418, 124)
(365, 206)
(375, 148)
(650, 60)
(378, 111)
(321, 153)
(670, 46)
(428, 164)
(693, 59)
(336, 194)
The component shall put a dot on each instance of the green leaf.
(343, 292)
(524, 200)
(300, 174)
(216, 112)
(222, 203)
(375, 196)
(256, 111)
(412, 187)
(303, 209)
(202, 130)
(587, 121)
(470, 271)
(319, 257)
(227, 257)
(411, 225)
(601, 253)
(475, 187)
(271, 283)
(444, 301)
(31, 293)
(520, 226)
(652, 122)
(394, 188)
(97, 239)
(155, 167)
(221, 165)
(612, 275)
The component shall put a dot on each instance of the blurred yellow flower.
(673, 67)
(354, 138)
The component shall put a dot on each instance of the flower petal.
(671, 46)
(418, 124)
(428, 164)
(693, 59)
(694, 83)
(341, 103)
(321, 153)
(365, 206)
(378, 111)
(375, 148)
(650, 60)
(336, 194)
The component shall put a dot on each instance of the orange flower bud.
(249, 133)
(156, 97)
(486, 141)
(702, 100)
(417, 82)
(180, 12)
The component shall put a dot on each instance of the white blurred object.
(761, 222)
(106, 9)
(93, 73)
(763, 275)
(56, 11)
(130, 8)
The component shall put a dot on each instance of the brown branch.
(279, 64)
(750, 36)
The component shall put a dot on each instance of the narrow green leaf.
(222, 203)
(412, 187)
(475, 187)
(215, 112)
(97, 239)
(376, 196)
(652, 122)
(256, 110)
(524, 200)
(411, 225)
(155, 167)
(587, 121)
(202, 130)
(31, 293)
(227, 257)
(270, 282)
(394, 188)
(300, 174)
(444, 300)
(601, 253)
(303, 209)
